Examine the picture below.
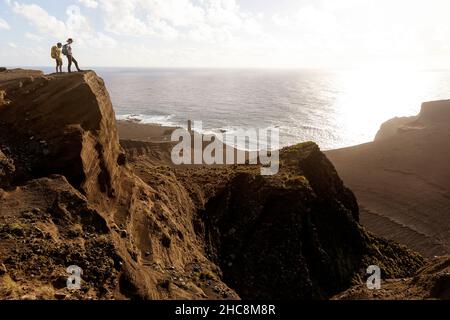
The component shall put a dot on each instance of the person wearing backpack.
(67, 51)
(56, 54)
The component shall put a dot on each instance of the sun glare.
(371, 96)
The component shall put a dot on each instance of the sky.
(229, 33)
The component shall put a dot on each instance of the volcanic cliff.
(141, 228)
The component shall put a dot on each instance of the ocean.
(332, 108)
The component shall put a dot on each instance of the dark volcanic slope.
(143, 230)
(297, 230)
(402, 180)
(431, 282)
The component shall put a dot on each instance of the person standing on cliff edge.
(67, 51)
(56, 54)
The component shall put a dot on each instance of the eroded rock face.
(295, 235)
(68, 125)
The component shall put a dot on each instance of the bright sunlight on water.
(334, 109)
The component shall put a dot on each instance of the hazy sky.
(229, 33)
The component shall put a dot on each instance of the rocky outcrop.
(67, 127)
(291, 236)
(435, 113)
(144, 229)
(392, 127)
(294, 235)
(432, 114)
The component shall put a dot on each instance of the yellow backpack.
(54, 53)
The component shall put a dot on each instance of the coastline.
(398, 161)
(133, 130)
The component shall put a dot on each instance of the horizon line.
(235, 68)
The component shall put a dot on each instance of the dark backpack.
(65, 50)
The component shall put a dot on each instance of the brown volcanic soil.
(142, 229)
(131, 130)
(431, 282)
(402, 180)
